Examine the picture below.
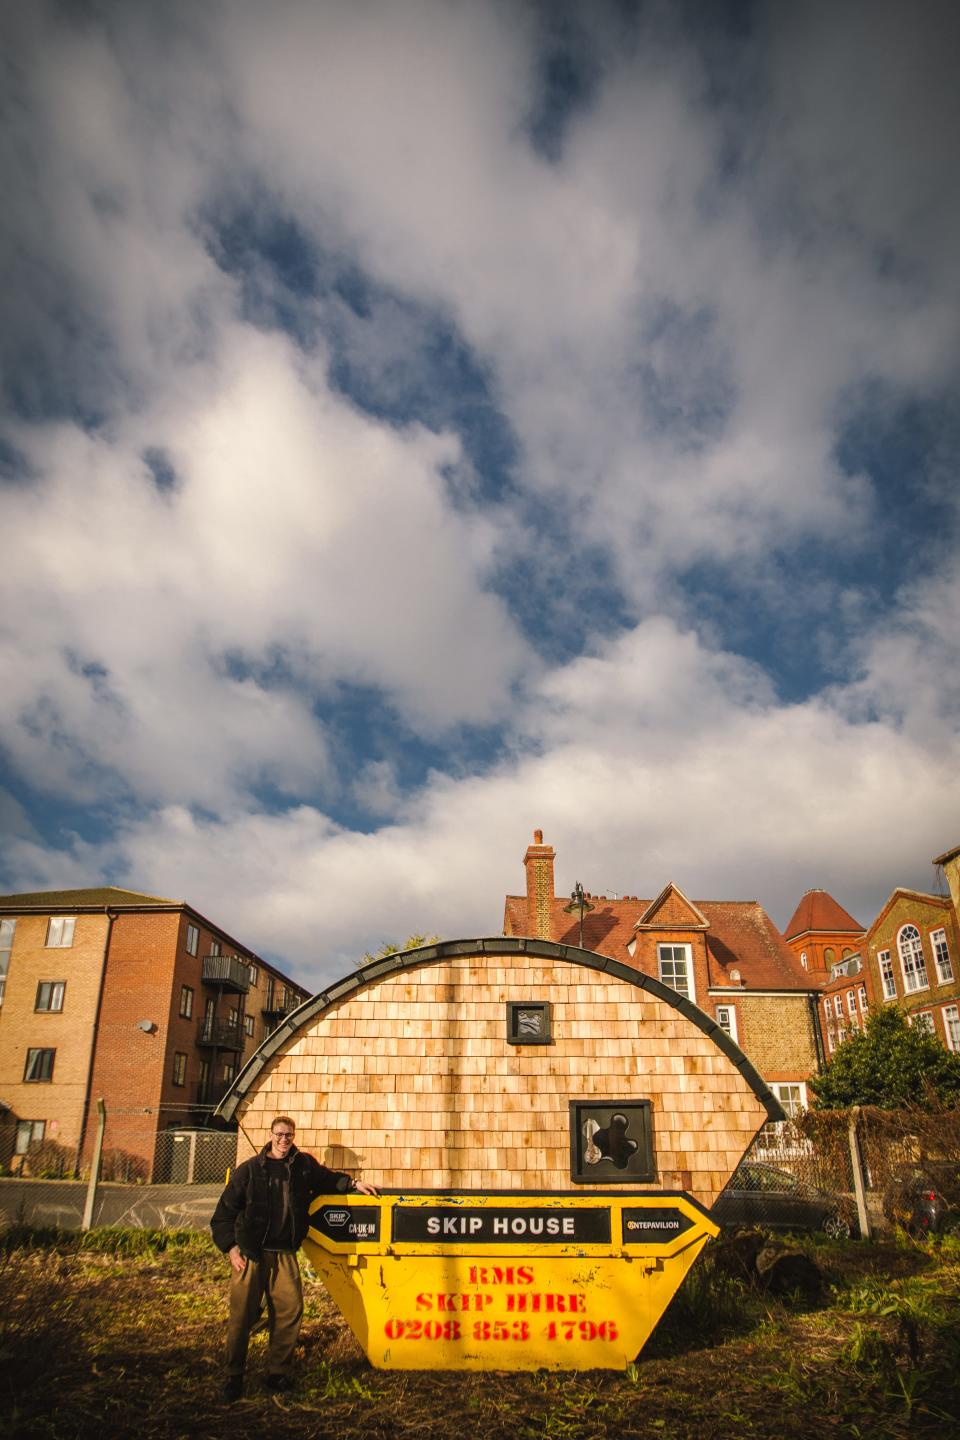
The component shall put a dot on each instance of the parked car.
(761, 1194)
(924, 1200)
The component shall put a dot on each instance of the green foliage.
(889, 1064)
(412, 942)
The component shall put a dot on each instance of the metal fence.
(139, 1147)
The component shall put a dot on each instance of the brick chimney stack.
(538, 863)
(949, 862)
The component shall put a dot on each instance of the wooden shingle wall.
(410, 1082)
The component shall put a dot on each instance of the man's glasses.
(283, 1134)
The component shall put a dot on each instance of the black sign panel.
(653, 1223)
(347, 1222)
(464, 1225)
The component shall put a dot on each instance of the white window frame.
(729, 1021)
(913, 962)
(793, 1105)
(924, 1022)
(60, 930)
(852, 1003)
(828, 1008)
(950, 1014)
(941, 956)
(838, 1006)
(214, 947)
(862, 997)
(192, 941)
(687, 957)
(888, 976)
(254, 974)
(248, 1025)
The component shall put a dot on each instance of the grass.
(120, 1332)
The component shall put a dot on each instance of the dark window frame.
(179, 1076)
(50, 986)
(43, 1066)
(186, 1001)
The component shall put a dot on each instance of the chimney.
(538, 863)
(949, 862)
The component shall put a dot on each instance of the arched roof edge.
(494, 945)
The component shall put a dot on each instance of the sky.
(424, 422)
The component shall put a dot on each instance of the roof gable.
(913, 897)
(672, 911)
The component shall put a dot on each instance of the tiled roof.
(65, 899)
(741, 936)
(819, 911)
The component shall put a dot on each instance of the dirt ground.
(126, 1340)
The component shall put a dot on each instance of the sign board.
(515, 1281)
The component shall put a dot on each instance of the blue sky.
(426, 422)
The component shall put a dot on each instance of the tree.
(889, 1064)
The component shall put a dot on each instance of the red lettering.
(424, 1302)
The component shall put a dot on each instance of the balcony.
(275, 1012)
(212, 1092)
(227, 971)
(221, 1034)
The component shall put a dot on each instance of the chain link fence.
(140, 1147)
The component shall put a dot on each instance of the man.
(259, 1223)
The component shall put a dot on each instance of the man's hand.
(237, 1260)
(363, 1188)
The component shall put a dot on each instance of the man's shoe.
(233, 1389)
(279, 1384)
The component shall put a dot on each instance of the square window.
(29, 1132)
(675, 968)
(186, 1001)
(193, 939)
(60, 931)
(923, 1021)
(179, 1068)
(611, 1142)
(793, 1098)
(39, 1066)
(50, 995)
(529, 1022)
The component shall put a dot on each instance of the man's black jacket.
(242, 1216)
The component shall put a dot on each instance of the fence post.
(91, 1200)
(856, 1161)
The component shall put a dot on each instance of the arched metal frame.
(492, 945)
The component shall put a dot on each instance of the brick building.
(727, 956)
(909, 955)
(135, 998)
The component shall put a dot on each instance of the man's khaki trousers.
(276, 1276)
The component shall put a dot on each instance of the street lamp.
(579, 905)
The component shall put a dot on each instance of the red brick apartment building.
(727, 956)
(908, 956)
(135, 998)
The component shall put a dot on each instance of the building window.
(60, 931)
(193, 940)
(29, 1132)
(838, 1006)
(675, 968)
(204, 1074)
(214, 947)
(727, 1020)
(233, 1016)
(7, 932)
(831, 1040)
(828, 1008)
(923, 1021)
(887, 979)
(852, 1003)
(862, 992)
(254, 974)
(803, 958)
(229, 1070)
(951, 1026)
(186, 1001)
(912, 963)
(39, 1065)
(941, 956)
(793, 1098)
(50, 995)
(179, 1068)
(248, 1024)
(829, 955)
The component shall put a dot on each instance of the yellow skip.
(514, 1281)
